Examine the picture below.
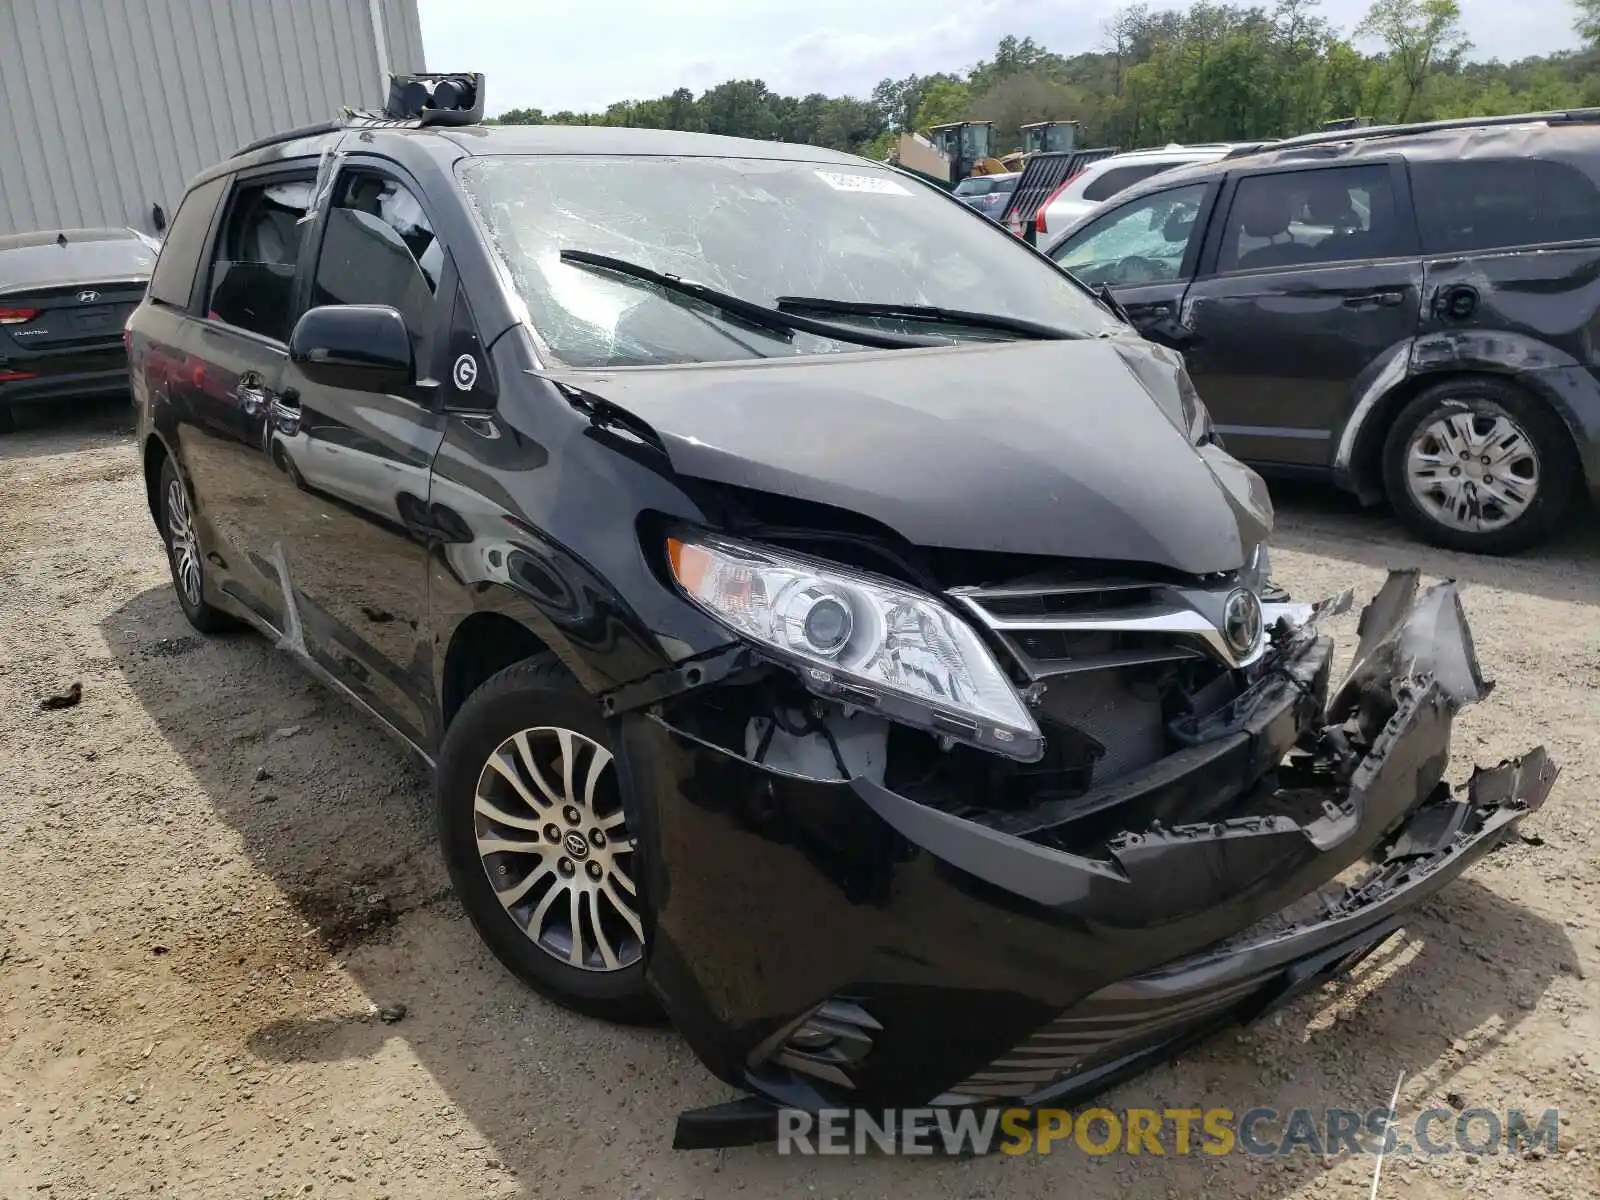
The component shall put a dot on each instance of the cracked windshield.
(758, 230)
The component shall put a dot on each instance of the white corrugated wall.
(108, 107)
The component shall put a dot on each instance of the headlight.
(861, 639)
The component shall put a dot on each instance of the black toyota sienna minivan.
(893, 693)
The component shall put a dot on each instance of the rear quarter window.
(1113, 181)
(173, 279)
(1489, 204)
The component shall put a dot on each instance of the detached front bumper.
(829, 943)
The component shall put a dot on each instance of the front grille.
(1066, 628)
(1010, 605)
(1062, 651)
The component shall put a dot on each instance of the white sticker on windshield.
(840, 182)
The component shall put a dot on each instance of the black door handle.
(1385, 299)
(1169, 332)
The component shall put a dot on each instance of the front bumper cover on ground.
(829, 943)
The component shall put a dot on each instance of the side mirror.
(360, 346)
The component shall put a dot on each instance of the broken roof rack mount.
(1565, 116)
(414, 101)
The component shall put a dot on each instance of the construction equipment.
(1043, 137)
(1051, 136)
(969, 148)
(1045, 171)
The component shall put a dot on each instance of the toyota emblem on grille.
(88, 297)
(1241, 621)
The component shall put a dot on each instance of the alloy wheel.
(185, 548)
(1476, 471)
(554, 842)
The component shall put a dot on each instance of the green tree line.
(1212, 72)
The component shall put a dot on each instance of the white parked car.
(1103, 179)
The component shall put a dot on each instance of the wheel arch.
(1361, 468)
(154, 454)
(483, 644)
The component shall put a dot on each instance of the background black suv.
(1410, 311)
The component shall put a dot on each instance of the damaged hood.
(1074, 449)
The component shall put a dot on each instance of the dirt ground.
(213, 876)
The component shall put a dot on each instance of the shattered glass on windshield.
(758, 229)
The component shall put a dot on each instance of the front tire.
(1478, 465)
(536, 842)
(184, 557)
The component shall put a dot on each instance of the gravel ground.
(215, 876)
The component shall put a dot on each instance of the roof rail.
(414, 101)
(1567, 116)
(288, 135)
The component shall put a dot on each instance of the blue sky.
(556, 54)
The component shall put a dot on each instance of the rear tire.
(531, 825)
(1479, 465)
(185, 559)
(8, 420)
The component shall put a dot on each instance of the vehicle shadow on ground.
(340, 824)
(43, 430)
(1329, 524)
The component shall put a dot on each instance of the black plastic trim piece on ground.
(747, 1121)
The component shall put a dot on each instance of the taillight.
(1038, 217)
(12, 376)
(16, 316)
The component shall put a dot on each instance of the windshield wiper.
(928, 313)
(746, 310)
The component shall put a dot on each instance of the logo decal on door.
(465, 373)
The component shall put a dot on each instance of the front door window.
(1142, 242)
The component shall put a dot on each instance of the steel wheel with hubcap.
(1473, 471)
(1477, 464)
(536, 838)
